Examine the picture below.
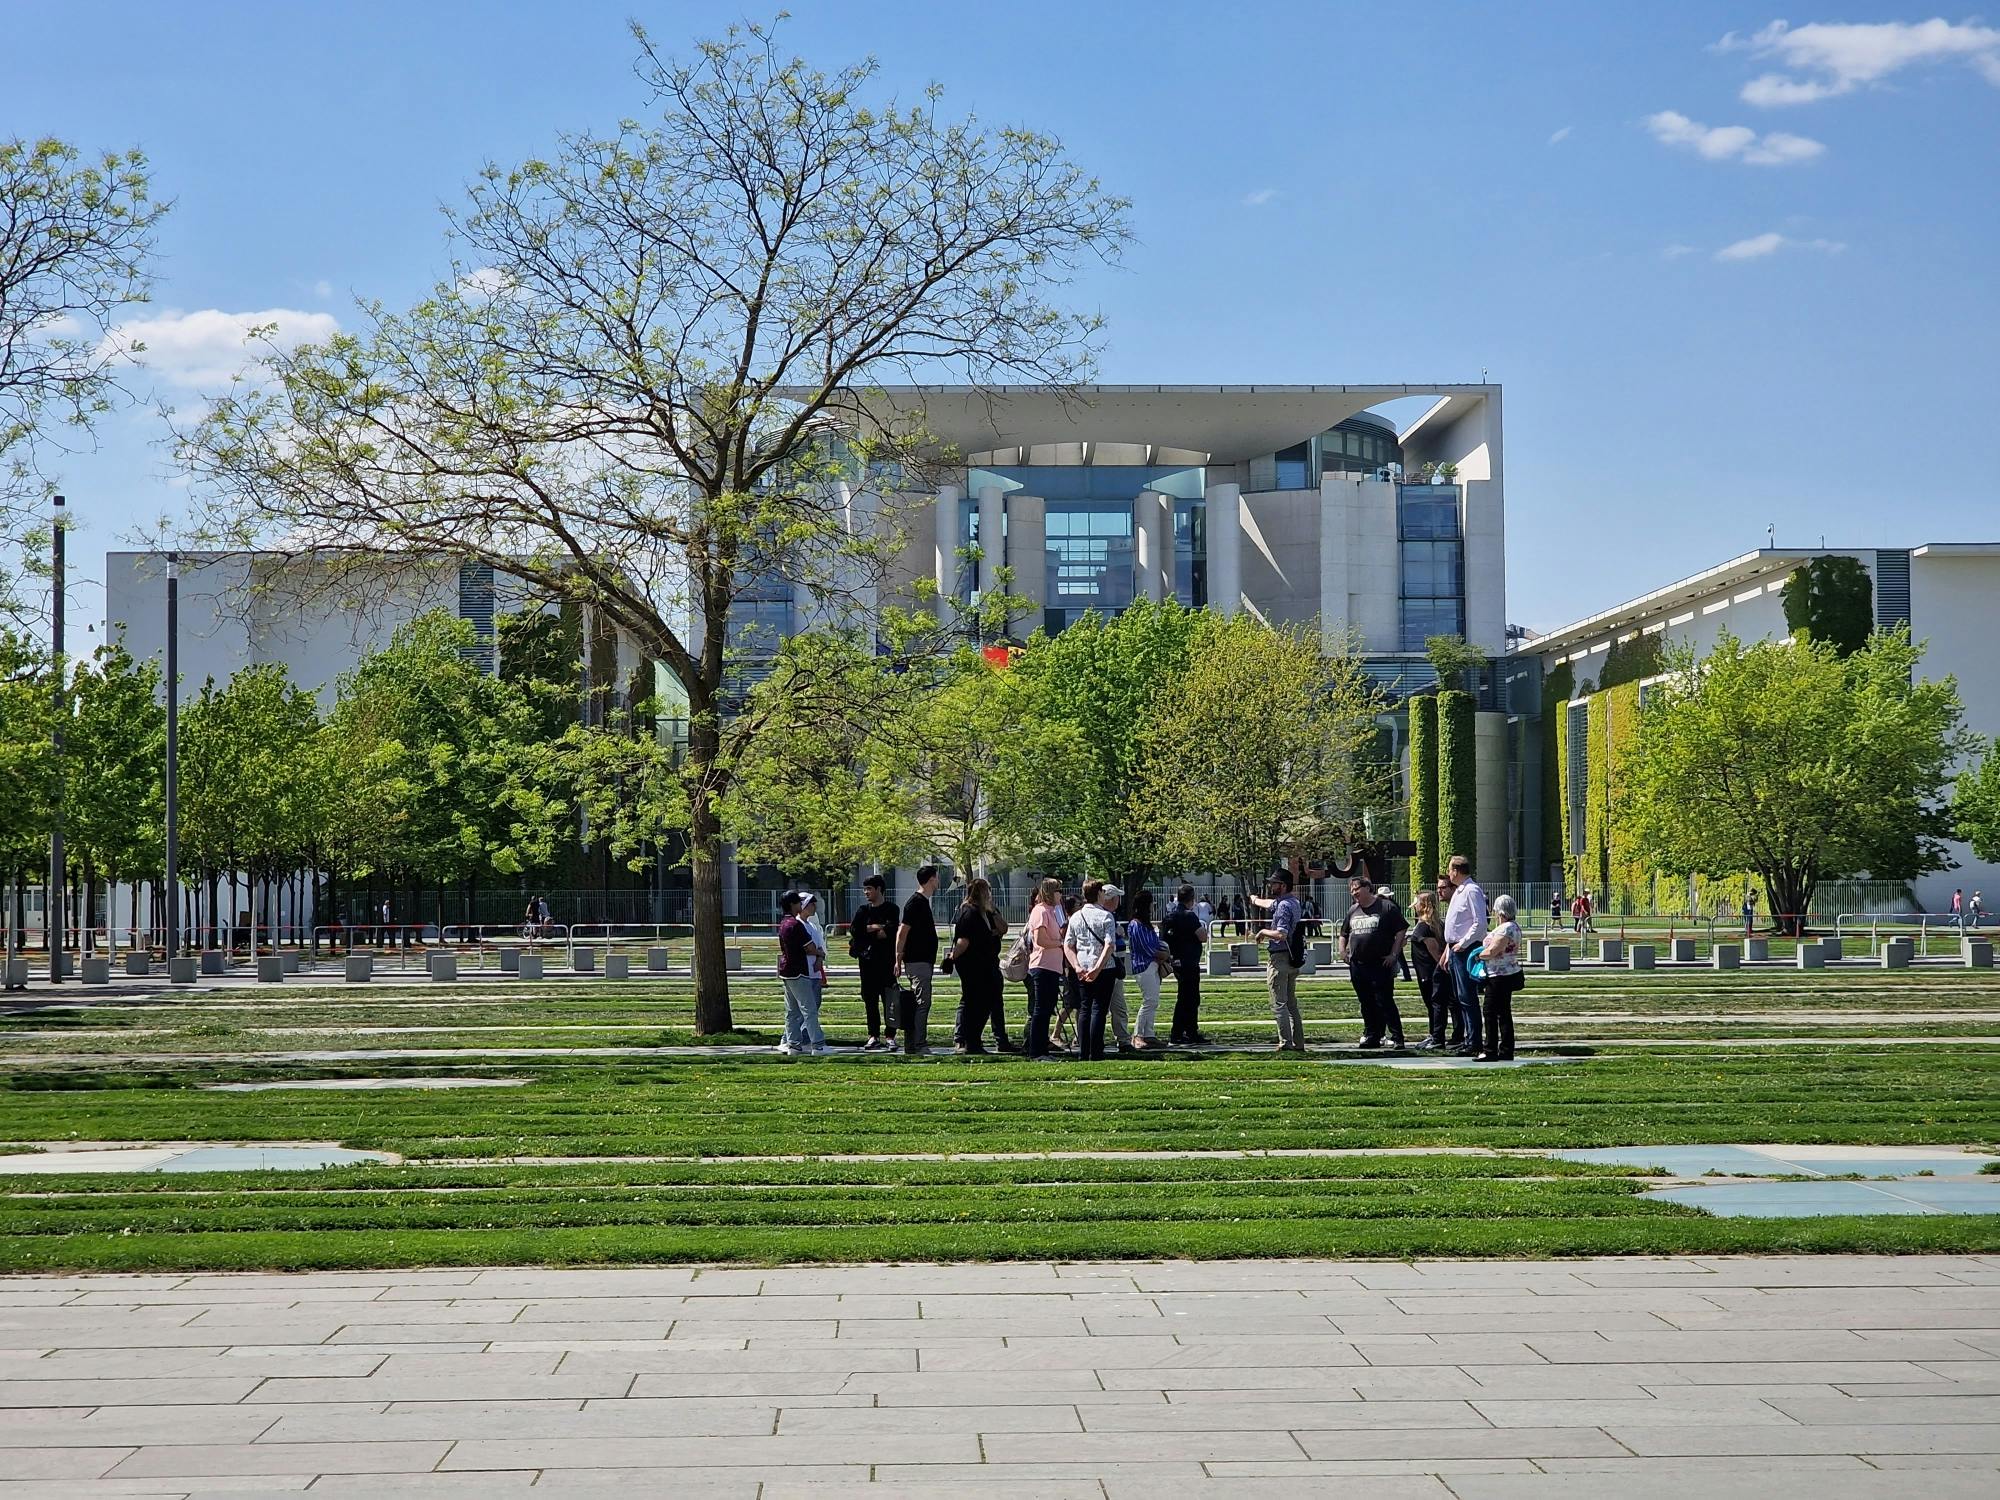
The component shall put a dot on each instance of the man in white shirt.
(1464, 931)
(1090, 948)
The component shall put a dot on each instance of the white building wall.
(1280, 554)
(1482, 523)
(1952, 611)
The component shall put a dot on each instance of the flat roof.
(1727, 575)
(1230, 423)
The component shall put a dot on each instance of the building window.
(1090, 552)
(1432, 563)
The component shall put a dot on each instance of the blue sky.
(1726, 283)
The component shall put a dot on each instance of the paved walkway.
(1824, 1377)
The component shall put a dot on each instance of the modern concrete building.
(1944, 591)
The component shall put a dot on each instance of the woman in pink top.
(1045, 963)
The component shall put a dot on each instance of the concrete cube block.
(1834, 949)
(530, 966)
(182, 970)
(1322, 952)
(510, 960)
(1896, 955)
(732, 960)
(656, 960)
(214, 961)
(1978, 953)
(444, 968)
(97, 971)
(14, 973)
(617, 966)
(1556, 958)
(360, 968)
(1726, 956)
(270, 969)
(1244, 955)
(583, 960)
(1757, 950)
(1610, 951)
(1683, 950)
(1538, 950)
(1220, 962)
(1641, 956)
(289, 962)
(138, 965)
(1812, 956)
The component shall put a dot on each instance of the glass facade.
(1432, 563)
(1357, 446)
(1090, 551)
(1103, 482)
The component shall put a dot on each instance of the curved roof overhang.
(1230, 423)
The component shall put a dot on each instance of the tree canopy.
(623, 392)
(1795, 763)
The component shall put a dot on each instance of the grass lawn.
(461, 1199)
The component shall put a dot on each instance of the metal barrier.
(1923, 922)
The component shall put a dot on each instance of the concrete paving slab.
(1804, 1376)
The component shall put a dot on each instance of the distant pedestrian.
(1186, 931)
(1958, 907)
(916, 956)
(975, 956)
(1090, 947)
(1279, 936)
(871, 943)
(1978, 908)
(1060, 1039)
(795, 969)
(1433, 977)
(1372, 935)
(1204, 909)
(1556, 908)
(1045, 964)
(1502, 955)
(1749, 911)
(1149, 960)
(809, 914)
(1464, 930)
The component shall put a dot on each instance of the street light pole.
(173, 892)
(57, 874)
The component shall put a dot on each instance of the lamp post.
(173, 892)
(57, 874)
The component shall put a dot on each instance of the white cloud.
(487, 281)
(1770, 243)
(1731, 142)
(1560, 136)
(1676, 251)
(205, 350)
(1839, 57)
(322, 288)
(1259, 198)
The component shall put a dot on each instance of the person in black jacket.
(871, 942)
(1185, 935)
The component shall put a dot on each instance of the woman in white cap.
(809, 914)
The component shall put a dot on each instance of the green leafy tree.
(620, 392)
(1831, 599)
(1260, 750)
(76, 237)
(1793, 763)
(1456, 662)
(1103, 679)
(27, 764)
(1975, 805)
(1424, 867)
(114, 754)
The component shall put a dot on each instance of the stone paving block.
(482, 1333)
(174, 1364)
(183, 1460)
(1890, 1409)
(22, 1464)
(764, 1452)
(1051, 1469)
(130, 1426)
(1322, 1416)
(218, 1390)
(497, 1387)
(1667, 1484)
(1668, 1442)
(1300, 1487)
(454, 1421)
(1684, 1404)
(797, 1421)
(1078, 1489)
(1465, 1442)
(500, 1481)
(806, 1358)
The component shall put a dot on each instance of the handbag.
(1015, 966)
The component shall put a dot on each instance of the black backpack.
(1295, 943)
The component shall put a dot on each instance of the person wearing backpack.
(871, 943)
(1149, 959)
(1284, 939)
(1185, 929)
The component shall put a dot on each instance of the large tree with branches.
(643, 386)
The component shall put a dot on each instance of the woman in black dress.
(975, 954)
(1426, 950)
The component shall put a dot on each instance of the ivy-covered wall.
(1557, 688)
(1424, 791)
(1457, 779)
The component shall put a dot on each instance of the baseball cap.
(1112, 891)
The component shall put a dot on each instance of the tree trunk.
(1789, 892)
(711, 973)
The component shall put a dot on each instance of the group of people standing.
(1077, 951)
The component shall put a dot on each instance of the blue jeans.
(1466, 989)
(1092, 1017)
(1044, 995)
(802, 1031)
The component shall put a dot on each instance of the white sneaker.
(821, 1050)
(784, 1049)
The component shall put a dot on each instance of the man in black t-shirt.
(871, 942)
(1372, 935)
(916, 953)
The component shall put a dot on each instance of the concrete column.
(1152, 546)
(863, 511)
(1335, 502)
(1027, 555)
(732, 885)
(946, 564)
(1225, 548)
(991, 539)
